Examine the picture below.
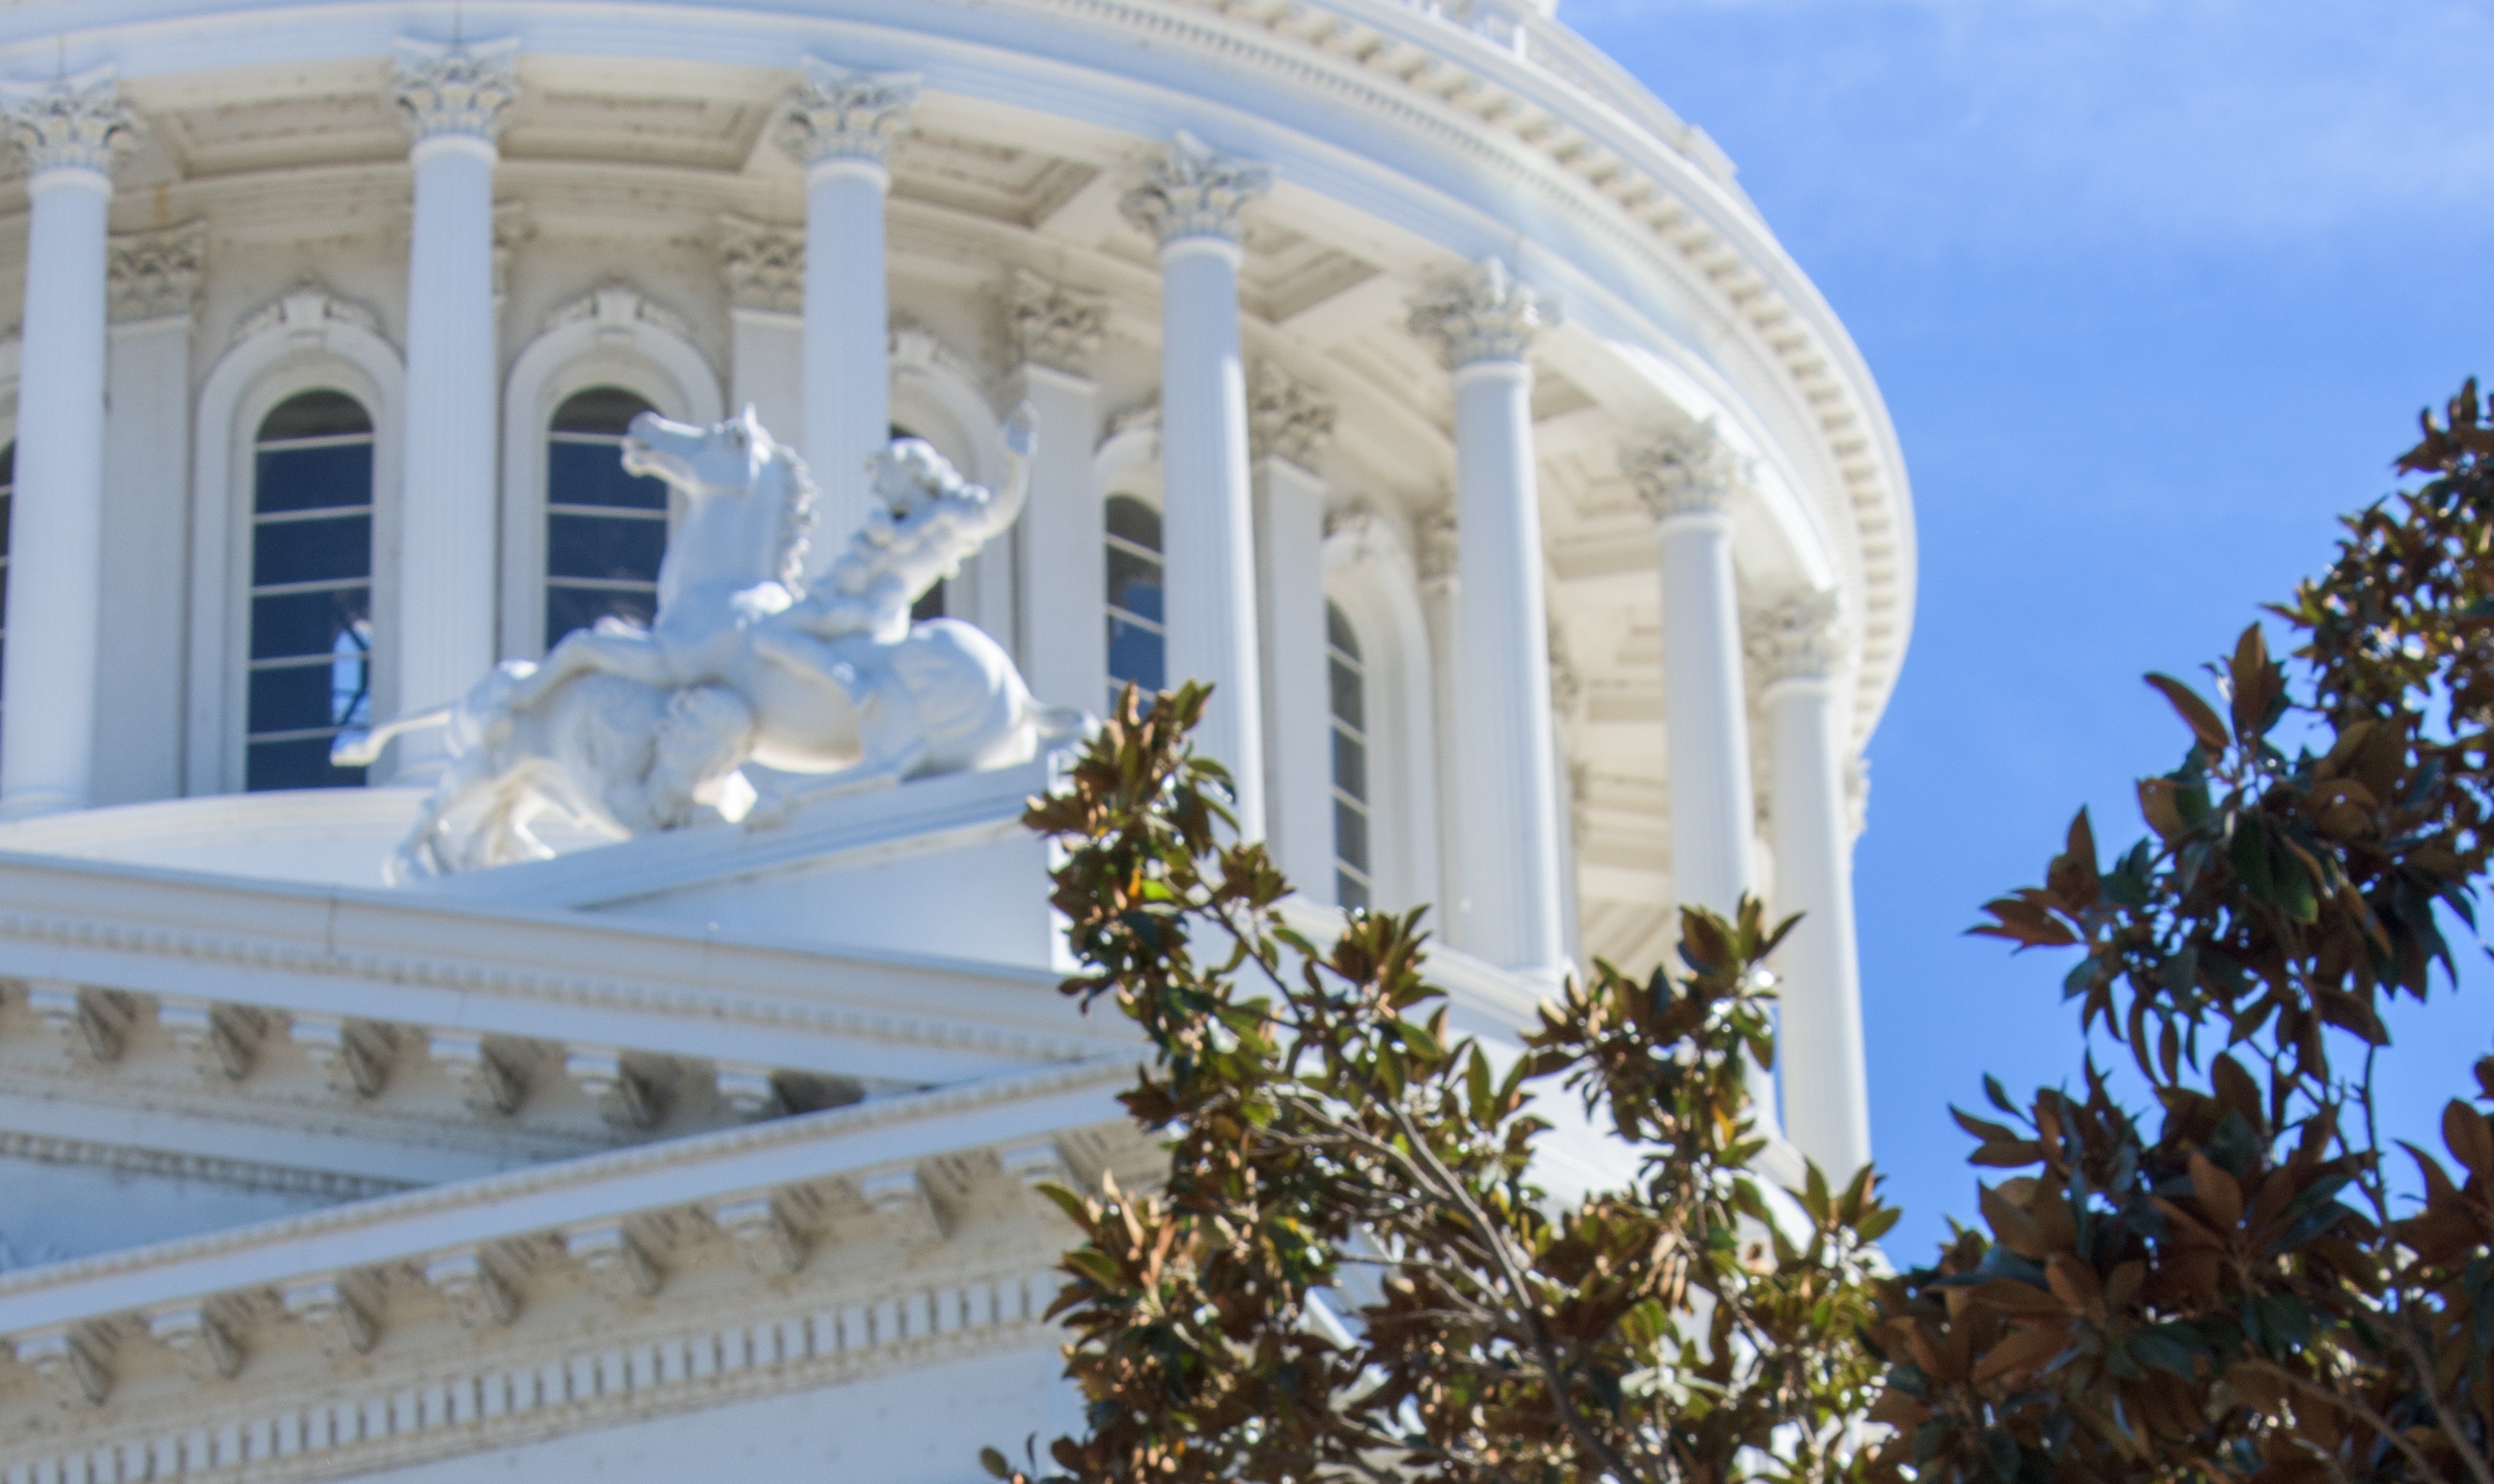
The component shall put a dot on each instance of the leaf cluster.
(2222, 1286)
(1349, 1271)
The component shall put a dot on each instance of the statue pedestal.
(941, 866)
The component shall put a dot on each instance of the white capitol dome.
(1543, 530)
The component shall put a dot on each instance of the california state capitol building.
(414, 1066)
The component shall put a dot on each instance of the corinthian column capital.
(1057, 327)
(1287, 418)
(1194, 192)
(1796, 638)
(455, 91)
(74, 124)
(1690, 472)
(1485, 316)
(833, 113)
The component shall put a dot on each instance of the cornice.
(492, 1193)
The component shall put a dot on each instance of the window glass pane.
(568, 608)
(1135, 653)
(1339, 633)
(285, 624)
(1349, 892)
(1351, 835)
(1349, 703)
(592, 474)
(598, 410)
(602, 546)
(300, 762)
(1134, 520)
(1349, 764)
(1135, 583)
(320, 550)
(315, 456)
(320, 476)
(315, 414)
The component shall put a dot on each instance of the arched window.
(1347, 682)
(1137, 643)
(310, 591)
(606, 531)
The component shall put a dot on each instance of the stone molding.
(490, 1402)
(1287, 418)
(155, 275)
(1796, 638)
(232, 1174)
(305, 312)
(616, 306)
(1055, 326)
(73, 124)
(487, 1195)
(1486, 315)
(1192, 190)
(439, 89)
(482, 971)
(763, 264)
(1692, 471)
(833, 113)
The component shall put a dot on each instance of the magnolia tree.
(1349, 1272)
(2232, 1284)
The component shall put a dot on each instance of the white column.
(1504, 754)
(1191, 202)
(1440, 558)
(1688, 481)
(453, 101)
(1062, 535)
(1287, 427)
(763, 266)
(154, 292)
(1797, 650)
(70, 131)
(840, 125)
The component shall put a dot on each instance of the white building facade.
(1404, 368)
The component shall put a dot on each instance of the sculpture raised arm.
(924, 521)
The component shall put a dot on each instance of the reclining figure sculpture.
(752, 692)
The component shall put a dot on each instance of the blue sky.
(2154, 291)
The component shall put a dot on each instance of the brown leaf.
(2020, 1300)
(2022, 1351)
(2464, 1132)
(2219, 1196)
(2196, 713)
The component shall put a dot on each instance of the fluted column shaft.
(1192, 201)
(840, 126)
(1688, 482)
(70, 131)
(1796, 651)
(454, 102)
(1509, 912)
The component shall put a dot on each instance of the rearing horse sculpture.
(832, 688)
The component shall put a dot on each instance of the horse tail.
(1057, 723)
(353, 751)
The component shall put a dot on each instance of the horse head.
(749, 502)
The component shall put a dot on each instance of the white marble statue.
(751, 693)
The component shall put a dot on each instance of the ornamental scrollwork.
(1192, 191)
(1487, 315)
(1692, 471)
(833, 113)
(73, 124)
(443, 90)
